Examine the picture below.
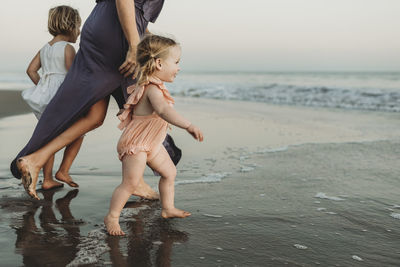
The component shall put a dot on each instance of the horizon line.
(14, 71)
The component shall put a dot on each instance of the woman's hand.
(128, 67)
(195, 132)
(127, 18)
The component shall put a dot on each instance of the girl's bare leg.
(132, 172)
(48, 181)
(70, 153)
(30, 165)
(163, 164)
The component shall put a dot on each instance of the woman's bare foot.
(112, 225)
(29, 176)
(51, 184)
(145, 191)
(174, 213)
(66, 178)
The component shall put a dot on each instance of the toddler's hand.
(195, 132)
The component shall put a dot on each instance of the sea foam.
(324, 196)
(209, 178)
(90, 248)
(300, 246)
(371, 91)
(395, 215)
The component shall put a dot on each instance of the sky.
(233, 35)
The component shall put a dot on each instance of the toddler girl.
(54, 58)
(145, 119)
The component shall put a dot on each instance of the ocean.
(348, 90)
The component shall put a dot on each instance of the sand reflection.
(47, 233)
(43, 239)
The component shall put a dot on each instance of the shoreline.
(11, 103)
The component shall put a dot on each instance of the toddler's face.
(170, 65)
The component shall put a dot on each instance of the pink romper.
(142, 133)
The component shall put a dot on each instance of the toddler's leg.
(163, 164)
(48, 181)
(70, 153)
(132, 171)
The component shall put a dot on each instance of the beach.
(11, 103)
(271, 185)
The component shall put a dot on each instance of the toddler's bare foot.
(174, 213)
(66, 178)
(145, 191)
(112, 225)
(50, 184)
(29, 176)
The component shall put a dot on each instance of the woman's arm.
(33, 68)
(69, 55)
(127, 18)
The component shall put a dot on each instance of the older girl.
(54, 59)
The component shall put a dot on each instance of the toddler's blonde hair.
(63, 20)
(148, 50)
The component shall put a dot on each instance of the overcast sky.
(252, 35)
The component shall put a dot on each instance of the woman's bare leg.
(48, 181)
(30, 165)
(132, 173)
(163, 164)
(70, 153)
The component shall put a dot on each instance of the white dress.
(52, 60)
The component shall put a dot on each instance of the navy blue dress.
(94, 74)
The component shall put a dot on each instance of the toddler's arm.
(69, 55)
(33, 68)
(168, 113)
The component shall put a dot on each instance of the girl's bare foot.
(112, 225)
(174, 213)
(66, 178)
(29, 176)
(50, 184)
(145, 191)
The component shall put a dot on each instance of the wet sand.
(11, 103)
(270, 186)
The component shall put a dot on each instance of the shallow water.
(333, 205)
(328, 205)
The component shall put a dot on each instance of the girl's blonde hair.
(148, 50)
(63, 20)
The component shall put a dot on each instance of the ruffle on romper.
(135, 94)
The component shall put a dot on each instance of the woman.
(103, 65)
